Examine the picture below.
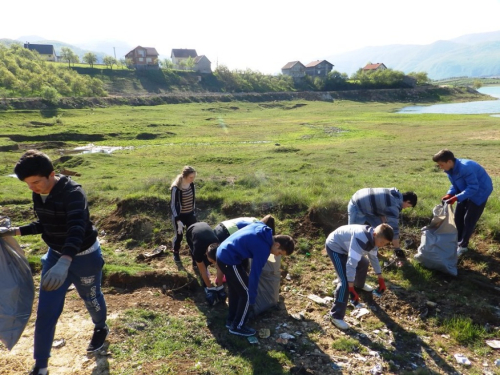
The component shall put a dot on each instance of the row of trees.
(24, 73)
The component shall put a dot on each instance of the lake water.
(468, 108)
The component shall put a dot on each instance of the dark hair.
(269, 221)
(444, 156)
(385, 230)
(33, 163)
(410, 196)
(212, 251)
(286, 243)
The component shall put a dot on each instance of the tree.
(477, 84)
(167, 64)
(68, 55)
(90, 58)
(421, 77)
(190, 63)
(109, 61)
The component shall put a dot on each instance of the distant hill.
(474, 55)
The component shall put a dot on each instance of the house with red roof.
(374, 67)
(144, 57)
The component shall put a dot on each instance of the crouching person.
(199, 237)
(257, 242)
(347, 247)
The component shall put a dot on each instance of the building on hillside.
(143, 57)
(374, 67)
(202, 64)
(319, 68)
(179, 57)
(294, 69)
(46, 51)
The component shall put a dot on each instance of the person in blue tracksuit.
(470, 188)
(255, 241)
(347, 247)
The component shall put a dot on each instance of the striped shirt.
(187, 200)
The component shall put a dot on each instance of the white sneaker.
(340, 324)
(461, 251)
(367, 288)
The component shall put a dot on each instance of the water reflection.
(468, 108)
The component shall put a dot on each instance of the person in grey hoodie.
(347, 247)
(380, 205)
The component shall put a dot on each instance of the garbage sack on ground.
(438, 247)
(268, 291)
(158, 252)
(18, 291)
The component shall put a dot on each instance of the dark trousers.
(187, 219)
(237, 284)
(342, 292)
(467, 215)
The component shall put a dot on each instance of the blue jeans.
(85, 272)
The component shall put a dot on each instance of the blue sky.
(259, 35)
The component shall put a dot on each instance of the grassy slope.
(254, 158)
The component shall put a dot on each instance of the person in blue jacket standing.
(255, 241)
(470, 188)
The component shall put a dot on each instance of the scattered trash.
(377, 369)
(328, 300)
(159, 251)
(462, 359)
(357, 304)
(495, 344)
(431, 304)
(59, 343)
(376, 293)
(197, 365)
(424, 312)
(264, 333)
(298, 316)
(374, 354)
(280, 340)
(252, 340)
(298, 333)
(287, 336)
(288, 277)
(317, 299)
(335, 366)
(358, 313)
(497, 362)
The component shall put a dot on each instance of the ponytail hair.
(186, 171)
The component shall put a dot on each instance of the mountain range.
(471, 55)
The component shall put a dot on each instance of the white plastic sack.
(438, 246)
(18, 291)
(268, 292)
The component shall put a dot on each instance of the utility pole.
(114, 51)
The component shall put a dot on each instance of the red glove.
(381, 285)
(352, 293)
(446, 197)
(452, 200)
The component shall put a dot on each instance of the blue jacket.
(469, 180)
(253, 241)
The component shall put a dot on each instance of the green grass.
(463, 329)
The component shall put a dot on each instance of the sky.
(259, 35)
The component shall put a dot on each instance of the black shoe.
(242, 331)
(177, 257)
(229, 323)
(98, 339)
(35, 371)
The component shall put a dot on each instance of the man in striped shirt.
(380, 205)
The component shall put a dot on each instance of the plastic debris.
(431, 304)
(497, 362)
(377, 369)
(287, 336)
(358, 313)
(376, 293)
(298, 316)
(288, 277)
(462, 359)
(317, 299)
(59, 343)
(495, 344)
(264, 333)
(280, 340)
(252, 340)
(357, 304)
(335, 366)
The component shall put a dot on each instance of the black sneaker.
(35, 371)
(177, 257)
(242, 331)
(98, 339)
(229, 323)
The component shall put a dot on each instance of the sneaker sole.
(102, 346)
(241, 334)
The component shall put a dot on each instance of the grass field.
(286, 158)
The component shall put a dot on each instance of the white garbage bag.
(18, 291)
(268, 292)
(438, 246)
